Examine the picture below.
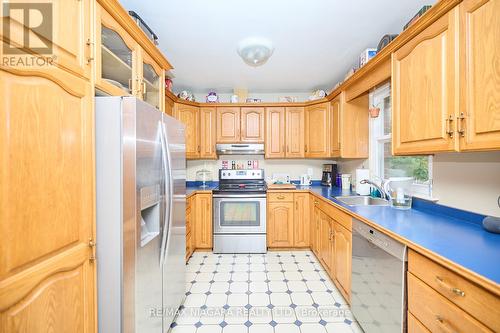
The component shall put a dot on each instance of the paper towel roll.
(362, 189)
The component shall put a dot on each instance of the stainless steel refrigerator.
(141, 198)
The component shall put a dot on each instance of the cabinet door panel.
(335, 127)
(317, 131)
(252, 124)
(301, 220)
(207, 133)
(480, 82)
(343, 258)
(188, 115)
(203, 221)
(228, 125)
(326, 244)
(275, 132)
(424, 90)
(295, 132)
(280, 224)
(47, 211)
(152, 81)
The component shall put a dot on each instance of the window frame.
(377, 139)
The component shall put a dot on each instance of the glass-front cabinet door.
(152, 82)
(116, 53)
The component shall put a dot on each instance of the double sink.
(357, 200)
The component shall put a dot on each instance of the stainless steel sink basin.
(356, 200)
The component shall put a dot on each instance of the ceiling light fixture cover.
(255, 51)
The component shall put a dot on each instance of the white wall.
(293, 167)
(266, 97)
(469, 181)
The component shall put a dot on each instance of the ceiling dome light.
(255, 51)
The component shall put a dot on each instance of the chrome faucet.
(378, 187)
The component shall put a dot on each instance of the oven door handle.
(241, 196)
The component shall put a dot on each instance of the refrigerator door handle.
(168, 191)
(166, 167)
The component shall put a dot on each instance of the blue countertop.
(454, 235)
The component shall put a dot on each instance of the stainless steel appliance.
(329, 174)
(141, 198)
(239, 211)
(379, 266)
(240, 149)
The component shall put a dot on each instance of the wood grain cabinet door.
(47, 275)
(280, 224)
(207, 133)
(228, 125)
(301, 220)
(335, 127)
(203, 221)
(275, 132)
(252, 124)
(189, 116)
(295, 135)
(424, 82)
(343, 258)
(317, 143)
(326, 244)
(479, 119)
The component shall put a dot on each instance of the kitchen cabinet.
(47, 216)
(207, 133)
(478, 121)
(284, 132)
(152, 81)
(327, 243)
(280, 213)
(169, 105)
(189, 116)
(349, 127)
(301, 220)
(189, 227)
(317, 131)
(315, 222)
(342, 239)
(203, 221)
(424, 90)
(252, 124)
(228, 125)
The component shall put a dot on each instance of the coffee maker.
(329, 174)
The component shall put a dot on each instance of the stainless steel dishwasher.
(378, 280)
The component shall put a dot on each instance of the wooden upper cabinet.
(152, 81)
(295, 132)
(280, 224)
(275, 132)
(116, 57)
(317, 131)
(252, 124)
(343, 258)
(301, 228)
(168, 106)
(207, 133)
(478, 120)
(424, 89)
(189, 116)
(228, 124)
(47, 184)
(335, 126)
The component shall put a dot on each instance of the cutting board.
(281, 187)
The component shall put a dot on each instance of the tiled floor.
(277, 292)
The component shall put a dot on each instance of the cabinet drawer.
(480, 303)
(280, 196)
(414, 326)
(437, 313)
(342, 218)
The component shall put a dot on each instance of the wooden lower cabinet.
(415, 326)
(203, 221)
(47, 216)
(301, 217)
(342, 240)
(189, 228)
(280, 224)
(326, 248)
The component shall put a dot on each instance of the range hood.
(240, 149)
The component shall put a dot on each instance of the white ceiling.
(316, 41)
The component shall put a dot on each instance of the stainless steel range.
(240, 212)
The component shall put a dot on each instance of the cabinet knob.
(460, 122)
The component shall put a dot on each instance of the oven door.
(239, 213)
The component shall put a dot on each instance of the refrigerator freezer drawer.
(249, 243)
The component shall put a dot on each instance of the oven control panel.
(241, 174)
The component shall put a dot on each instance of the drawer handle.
(456, 291)
(316, 202)
(281, 197)
(441, 322)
